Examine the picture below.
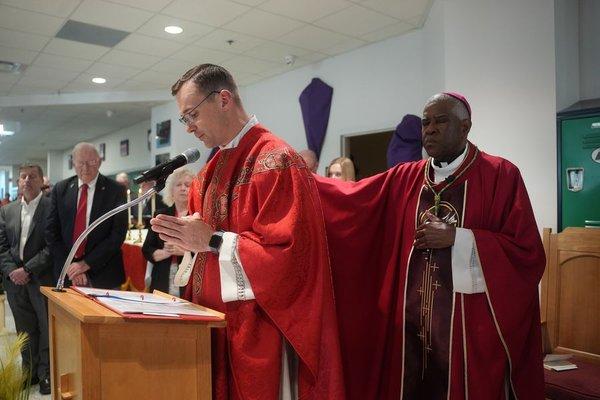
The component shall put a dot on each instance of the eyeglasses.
(186, 118)
(90, 163)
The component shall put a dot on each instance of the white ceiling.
(263, 33)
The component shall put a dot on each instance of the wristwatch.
(26, 269)
(215, 242)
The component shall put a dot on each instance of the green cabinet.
(579, 166)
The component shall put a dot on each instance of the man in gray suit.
(25, 263)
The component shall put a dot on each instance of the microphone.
(165, 169)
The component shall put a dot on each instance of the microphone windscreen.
(192, 155)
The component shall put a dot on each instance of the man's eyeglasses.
(186, 118)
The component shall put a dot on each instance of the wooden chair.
(570, 307)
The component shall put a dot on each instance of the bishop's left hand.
(434, 233)
(189, 233)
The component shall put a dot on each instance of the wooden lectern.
(97, 354)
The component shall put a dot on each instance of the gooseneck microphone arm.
(160, 184)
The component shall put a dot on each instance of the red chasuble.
(404, 332)
(263, 191)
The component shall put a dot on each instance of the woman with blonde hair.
(166, 257)
(341, 168)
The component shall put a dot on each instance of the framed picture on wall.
(70, 161)
(161, 158)
(163, 134)
(102, 151)
(124, 148)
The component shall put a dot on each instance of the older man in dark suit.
(77, 202)
(25, 263)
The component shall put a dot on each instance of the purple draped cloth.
(406, 143)
(315, 103)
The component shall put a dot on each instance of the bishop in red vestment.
(262, 259)
(436, 266)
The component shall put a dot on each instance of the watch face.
(215, 241)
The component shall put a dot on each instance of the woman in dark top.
(166, 257)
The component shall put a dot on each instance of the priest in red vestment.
(261, 253)
(436, 266)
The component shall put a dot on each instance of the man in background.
(47, 186)
(26, 265)
(5, 200)
(76, 203)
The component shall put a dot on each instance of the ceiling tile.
(346, 45)
(218, 40)
(249, 79)
(355, 21)
(275, 52)
(29, 21)
(129, 59)
(17, 55)
(21, 40)
(111, 15)
(195, 55)
(84, 84)
(112, 72)
(9, 79)
(310, 58)
(312, 38)
(5, 86)
(140, 86)
(247, 64)
(150, 5)
(58, 114)
(263, 24)
(403, 10)
(389, 31)
(252, 3)
(280, 69)
(167, 78)
(418, 20)
(305, 10)
(191, 30)
(168, 65)
(36, 72)
(69, 48)
(147, 45)
(210, 12)
(26, 90)
(62, 62)
(59, 8)
(34, 82)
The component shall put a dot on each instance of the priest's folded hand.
(434, 234)
(189, 233)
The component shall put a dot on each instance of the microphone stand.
(160, 184)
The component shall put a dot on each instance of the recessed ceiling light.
(98, 80)
(173, 29)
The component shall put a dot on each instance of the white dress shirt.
(27, 213)
(90, 197)
(467, 275)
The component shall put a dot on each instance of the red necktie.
(80, 220)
